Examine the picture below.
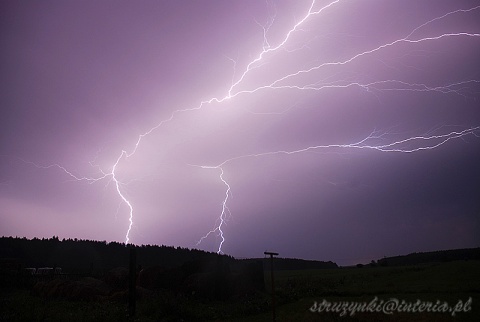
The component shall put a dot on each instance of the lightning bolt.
(122, 196)
(222, 217)
(104, 175)
(406, 145)
(427, 142)
(432, 141)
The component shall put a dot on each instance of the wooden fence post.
(273, 283)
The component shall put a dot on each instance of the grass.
(21, 305)
(445, 277)
(296, 291)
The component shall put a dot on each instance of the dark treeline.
(105, 265)
(87, 256)
(98, 257)
(293, 263)
(88, 270)
(431, 257)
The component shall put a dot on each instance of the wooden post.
(273, 283)
(132, 281)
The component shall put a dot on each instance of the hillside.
(97, 257)
(440, 256)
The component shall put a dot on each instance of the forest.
(89, 281)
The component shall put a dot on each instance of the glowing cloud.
(292, 79)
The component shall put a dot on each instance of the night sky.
(270, 123)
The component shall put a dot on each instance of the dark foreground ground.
(297, 291)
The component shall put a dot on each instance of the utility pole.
(273, 283)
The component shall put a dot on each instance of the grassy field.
(296, 292)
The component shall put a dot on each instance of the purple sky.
(82, 80)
